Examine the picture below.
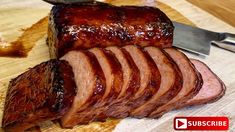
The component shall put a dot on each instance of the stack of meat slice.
(111, 82)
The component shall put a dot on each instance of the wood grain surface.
(18, 15)
(223, 9)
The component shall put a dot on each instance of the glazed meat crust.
(84, 26)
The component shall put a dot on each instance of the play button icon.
(180, 123)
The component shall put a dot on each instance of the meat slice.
(149, 77)
(192, 83)
(72, 26)
(114, 80)
(90, 82)
(212, 89)
(42, 93)
(171, 83)
(131, 83)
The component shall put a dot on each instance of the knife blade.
(199, 40)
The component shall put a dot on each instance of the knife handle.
(227, 41)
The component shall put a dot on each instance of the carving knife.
(199, 41)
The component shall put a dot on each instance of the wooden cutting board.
(223, 10)
(16, 17)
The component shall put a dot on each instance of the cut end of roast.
(42, 93)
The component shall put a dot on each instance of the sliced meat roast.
(150, 77)
(212, 89)
(192, 83)
(91, 86)
(114, 80)
(131, 83)
(171, 83)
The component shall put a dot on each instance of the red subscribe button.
(201, 123)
